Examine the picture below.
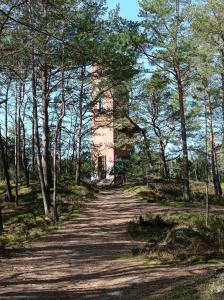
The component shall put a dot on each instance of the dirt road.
(90, 258)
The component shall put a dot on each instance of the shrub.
(183, 237)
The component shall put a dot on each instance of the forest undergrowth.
(28, 221)
(179, 235)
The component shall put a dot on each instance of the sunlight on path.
(87, 259)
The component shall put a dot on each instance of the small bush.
(183, 237)
(152, 229)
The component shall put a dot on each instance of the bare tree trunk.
(17, 144)
(79, 131)
(56, 134)
(216, 182)
(165, 172)
(33, 143)
(186, 187)
(206, 169)
(45, 133)
(1, 221)
(158, 133)
(5, 168)
(24, 157)
(217, 174)
(46, 158)
(186, 184)
(222, 89)
(6, 122)
(45, 195)
(29, 7)
(59, 151)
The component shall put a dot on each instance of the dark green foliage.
(184, 237)
(151, 229)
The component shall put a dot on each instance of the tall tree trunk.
(158, 133)
(79, 130)
(186, 187)
(56, 135)
(5, 169)
(45, 195)
(24, 157)
(1, 221)
(186, 184)
(165, 172)
(33, 143)
(46, 158)
(45, 133)
(29, 7)
(36, 137)
(17, 143)
(215, 175)
(6, 122)
(222, 89)
(59, 151)
(206, 169)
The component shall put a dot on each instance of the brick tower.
(109, 108)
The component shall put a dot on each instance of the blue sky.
(129, 8)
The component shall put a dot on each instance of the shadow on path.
(86, 258)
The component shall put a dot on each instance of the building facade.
(108, 110)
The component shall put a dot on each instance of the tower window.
(101, 104)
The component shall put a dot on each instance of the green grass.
(179, 239)
(185, 292)
(28, 222)
(183, 239)
(206, 287)
(168, 192)
(190, 240)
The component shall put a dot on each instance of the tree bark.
(45, 133)
(222, 89)
(5, 168)
(206, 169)
(186, 187)
(79, 130)
(46, 158)
(17, 144)
(165, 172)
(33, 143)
(1, 221)
(24, 157)
(215, 174)
(158, 133)
(186, 184)
(45, 194)
(56, 134)
(6, 122)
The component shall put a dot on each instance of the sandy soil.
(87, 258)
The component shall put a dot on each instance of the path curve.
(87, 258)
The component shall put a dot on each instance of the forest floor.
(90, 257)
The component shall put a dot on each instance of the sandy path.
(86, 259)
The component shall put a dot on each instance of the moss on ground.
(27, 222)
(182, 237)
(169, 192)
(179, 239)
(205, 287)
